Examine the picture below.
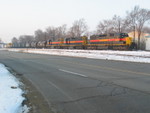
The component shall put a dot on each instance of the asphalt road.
(80, 85)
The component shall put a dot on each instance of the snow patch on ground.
(131, 56)
(10, 94)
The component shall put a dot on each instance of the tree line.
(135, 20)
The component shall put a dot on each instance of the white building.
(143, 38)
(147, 43)
(2, 45)
(134, 36)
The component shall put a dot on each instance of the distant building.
(147, 42)
(134, 35)
(2, 45)
(8, 45)
(143, 36)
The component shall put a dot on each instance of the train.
(114, 41)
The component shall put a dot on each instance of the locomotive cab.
(123, 35)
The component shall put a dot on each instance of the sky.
(23, 17)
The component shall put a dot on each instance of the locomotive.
(118, 41)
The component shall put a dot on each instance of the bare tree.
(118, 24)
(14, 42)
(105, 27)
(51, 32)
(146, 29)
(61, 32)
(114, 25)
(22, 41)
(39, 35)
(78, 28)
(25, 39)
(55, 33)
(28, 38)
(136, 19)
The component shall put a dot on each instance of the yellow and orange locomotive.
(118, 41)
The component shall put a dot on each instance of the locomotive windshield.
(122, 35)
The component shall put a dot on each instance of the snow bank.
(132, 56)
(10, 94)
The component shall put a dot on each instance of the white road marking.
(72, 73)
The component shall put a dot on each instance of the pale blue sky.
(20, 17)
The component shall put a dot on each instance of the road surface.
(81, 85)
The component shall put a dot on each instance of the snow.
(10, 94)
(131, 56)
